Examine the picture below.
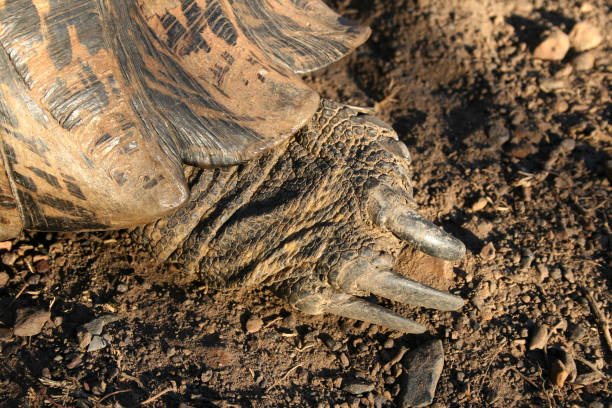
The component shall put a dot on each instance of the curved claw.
(395, 287)
(355, 308)
(389, 209)
(424, 235)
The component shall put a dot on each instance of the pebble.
(556, 274)
(488, 252)
(122, 288)
(43, 266)
(527, 257)
(96, 326)
(254, 324)
(585, 36)
(357, 387)
(568, 275)
(552, 84)
(576, 332)
(424, 367)
(542, 272)
(586, 7)
(6, 245)
(584, 61)
(30, 322)
(97, 343)
(538, 338)
(344, 360)
(554, 47)
(560, 106)
(9, 258)
(4, 278)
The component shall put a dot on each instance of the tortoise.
(188, 122)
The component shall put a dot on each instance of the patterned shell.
(102, 101)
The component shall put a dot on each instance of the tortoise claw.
(395, 287)
(412, 227)
(356, 308)
(345, 305)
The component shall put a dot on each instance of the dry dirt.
(514, 169)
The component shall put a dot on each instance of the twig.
(603, 322)
(592, 366)
(158, 395)
(110, 395)
(533, 384)
(292, 369)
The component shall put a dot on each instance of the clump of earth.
(505, 106)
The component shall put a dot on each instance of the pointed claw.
(422, 233)
(359, 309)
(395, 287)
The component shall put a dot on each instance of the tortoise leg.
(320, 220)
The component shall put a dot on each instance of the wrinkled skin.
(319, 220)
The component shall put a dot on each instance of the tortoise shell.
(103, 101)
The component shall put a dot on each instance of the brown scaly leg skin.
(321, 221)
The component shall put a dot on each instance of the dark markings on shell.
(84, 17)
(25, 181)
(288, 42)
(66, 206)
(49, 178)
(171, 97)
(34, 143)
(74, 190)
(68, 105)
(21, 23)
(218, 22)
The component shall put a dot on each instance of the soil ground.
(514, 169)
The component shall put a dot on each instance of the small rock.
(568, 275)
(488, 252)
(389, 343)
(480, 204)
(84, 338)
(538, 338)
(424, 368)
(96, 326)
(585, 36)
(596, 404)
(357, 387)
(558, 373)
(554, 47)
(30, 322)
(498, 133)
(552, 84)
(43, 266)
(4, 278)
(568, 145)
(576, 332)
(556, 274)
(542, 272)
(527, 257)
(560, 106)
(586, 7)
(6, 245)
(584, 61)
(122, 288)
(97, 343)
(9, 258)
(254, 324)
(344, 360)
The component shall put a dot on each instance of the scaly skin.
(313, 219)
